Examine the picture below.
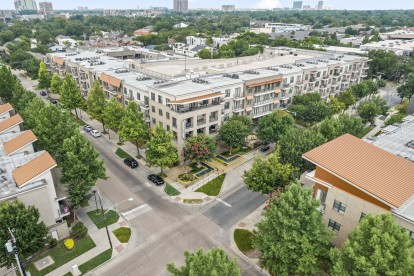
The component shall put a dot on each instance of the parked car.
(157, 180)
(42, 93)
(87, 128)
(55, 102)
(131, 162)
(95, 133)
(264, 148)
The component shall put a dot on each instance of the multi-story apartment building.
(354, 178)
(297, 5)
(46, 8)
(228, 8)
(201, 97)
(180, 5)
(26, 175)
(25, 6)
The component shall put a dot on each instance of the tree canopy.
(274, 125)
(96, 103)
(199, 148)
(70, 94)
(406, 90)
(43, 76)
(56, 83)
(233, 133)
(113, 114)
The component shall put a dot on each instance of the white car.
(95, 133)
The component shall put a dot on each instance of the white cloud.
(267, 4)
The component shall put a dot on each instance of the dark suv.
(157, 180)
(131, 162)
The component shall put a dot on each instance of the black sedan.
(131, 162)
(42, 93)
(157, 180)
(264, 148)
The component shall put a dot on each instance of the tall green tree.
(291, 235)
(384, 62)
(7, 83)
(406, 90)
(160, 151)
(199, 148)
(132, 126)
(80, 168)
(233, 133)
(56, 83)
(274, 125)
(269, 175)
(213, 262)
(335, 127)
(113, 114)
(17, 94)
(372, 86)
(360, 90)
(29, 231)
(347, 98)
(247, 121)
(43, 76)
(294, 143)
(377, 246)
(70, 94)
(30, 108)
(96, 103)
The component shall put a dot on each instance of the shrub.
(79, 230)
(52, 242)
(396, 118)
(382, 83)
(69, 244)
(186, 177)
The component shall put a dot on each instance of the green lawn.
(61, 255)
(122, 234)
(97, 218)
(193, 201)
(243, 239)
(96, 261)
(213, 187)
(170, 190)
(366, 130)
(121, 153)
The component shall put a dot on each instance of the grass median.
(213, 187)
(170, 190)
(243, 239)
(122, 234)
(97, 218)
(121, 153)
(96, 261)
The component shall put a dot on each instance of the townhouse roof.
(18, 142)
(33, 168)
(5, 108)
(374, 171)
(10, 122)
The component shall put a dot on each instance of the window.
(249, 102)
(138, 96)
(174, 122)
(160, 99)
(334, 226)
(265, 108)
(275, 106)
(227, 92)
(226, 105)
(362, 216)
(154, 121)
(167, 114)
(153, 96)
(153, 109)
(238, 90)
(168, 128)
(130, 91)
(339, 206)
(411, 234)
(160, 112)
(125, 91)
(248, 113)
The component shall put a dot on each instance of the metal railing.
(263, 102)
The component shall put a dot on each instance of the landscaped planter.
(227, 160)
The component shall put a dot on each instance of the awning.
(276, 101)
(119, 96)
(250, 97)
(265, 82)
(58, 60)
(198, 99)
(248, 109)
(111, 80)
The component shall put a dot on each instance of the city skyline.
(243, 4)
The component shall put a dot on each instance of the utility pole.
(104, 217)
(11, 247)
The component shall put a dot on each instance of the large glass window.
(334, 226)
(339, 206)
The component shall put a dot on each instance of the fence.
(203, 181)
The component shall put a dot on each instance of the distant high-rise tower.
(46, 8)
(320, 5)
(181, 5)
(297, 5)
(25, 6)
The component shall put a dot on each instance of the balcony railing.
(321, 208)
(238, 96)
(184, 109)
(263, 113)
(263, 102)
(238, 108)
(129, 97)
(213, 119)
(201, 122)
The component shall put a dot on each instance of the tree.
(406, 90)
(335, 127)
(347, 98)
(311, 112)
(247, 121)
(7, 82)
(30, 109)
(291, 235)
(213, 262)
(113, 114)
(335, 105)
(80, 168)
(96, 103)
(274, 125)
(372, 87)
(17, 94)
(199, 148)
(56, 83)
(233, 133)
(267, 176)
(377, 246)
(160, 150)
(205, 54)
(43, 76)
(294, 143)
(360, 90)
(368, 111)
(133, 126)
(70, 94)
(29, 230)
(381, 61)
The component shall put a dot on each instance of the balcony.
(321, 208)
(312, 79)
(269, 101)
(63, 208)
(264, 113)
(326, 77)
(143, 104)
(129, 97)
(262, 92)
(187, 108)
(286, 84)
(213, 119)
(189, 125)
(238, 96)
(201, 122)
(238, 108)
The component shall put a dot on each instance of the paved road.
(163, 230)
(232, 208)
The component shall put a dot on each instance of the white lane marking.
(222, 201)
(142, 209)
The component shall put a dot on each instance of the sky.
(264, 4)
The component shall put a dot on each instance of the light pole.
(11, 247)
